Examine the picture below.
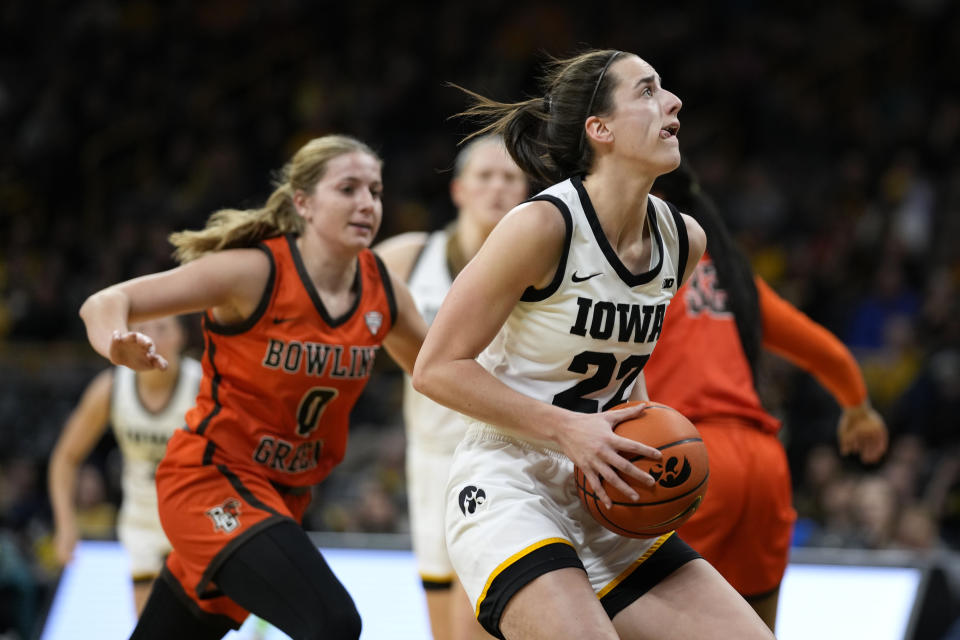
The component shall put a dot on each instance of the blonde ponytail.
(238, 228)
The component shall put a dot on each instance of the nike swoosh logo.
(577, 278)
(279, 320)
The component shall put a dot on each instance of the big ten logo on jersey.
(704, 294)
(618, 321)
(317, 359)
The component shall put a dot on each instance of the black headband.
(593, 96)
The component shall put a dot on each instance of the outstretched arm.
(229, 283)
(790, 333)
(80, 434)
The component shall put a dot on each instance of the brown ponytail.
(544, 135)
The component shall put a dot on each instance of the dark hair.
(545, 135)
(734, 272)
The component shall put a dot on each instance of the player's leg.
(438, 610)
(744, 526)
(559, 605)
(280, 575)
(169, 613)
(692, 602)
(425, 496)
(463, 618)
(147, 548)
(766, 606)
(141, 591)
(452, 616)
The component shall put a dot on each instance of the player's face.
(489, 185)
(345, 206)
(644, 120)
(167, 334)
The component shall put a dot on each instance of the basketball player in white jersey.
(144, 409)
(486, 184)
(541, 334)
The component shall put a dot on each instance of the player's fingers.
(144, 340)
(593, 480)
(613, 479)
(626, 445)
(873, 446)
(158, 361)
(846, 444)
(617, 416)
(627, 468)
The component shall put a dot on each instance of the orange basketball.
(681, 476)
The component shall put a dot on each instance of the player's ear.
(456, 192)
(597, 129)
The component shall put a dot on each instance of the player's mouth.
(670, 131)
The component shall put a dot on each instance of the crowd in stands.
(828, 133)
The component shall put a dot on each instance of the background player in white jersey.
(486, 184)
(542, 332)
(144, 409)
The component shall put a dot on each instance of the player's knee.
(335, 623)
(347, 624)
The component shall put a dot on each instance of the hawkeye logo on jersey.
(225, 516)
(317, 359)
(470, 499)
(618, 321)
(374, 320)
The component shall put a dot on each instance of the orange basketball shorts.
(744, 525)
(208, 507)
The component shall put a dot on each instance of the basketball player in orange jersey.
(704, 367)
(486, 184)
(144, 410)
(547, 328)
(296, 308)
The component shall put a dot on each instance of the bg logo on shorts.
(470, 498)
(225, 516)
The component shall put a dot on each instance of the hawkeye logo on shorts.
(470, 498)
(225, 516)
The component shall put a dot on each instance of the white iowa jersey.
(142, 437)
(581, 342)
(430, 426)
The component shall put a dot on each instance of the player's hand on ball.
(589, 441)
(135, 350)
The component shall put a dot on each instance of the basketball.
(681, 476)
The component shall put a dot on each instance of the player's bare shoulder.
(400, 252)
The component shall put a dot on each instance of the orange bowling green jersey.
(278, 388)
(699, 366)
